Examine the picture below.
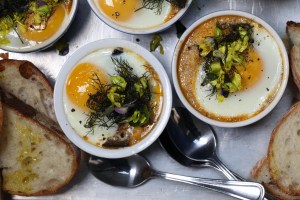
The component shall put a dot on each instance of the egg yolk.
(120, 10)
(80, 83)
(53, 24)
(251, 74)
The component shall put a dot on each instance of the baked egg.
(37, 27)
(92, 75)
(262, 76)
(132, 14)
(53, 24)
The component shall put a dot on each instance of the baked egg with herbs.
(113, 98)
(29, 23)
(140, 14)
(230, 68)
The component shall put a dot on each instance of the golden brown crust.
(71, 150)
(261, 173)
(292, 24)
(27, 69)
(295, 64)
(293, 32)
(4, 55)
(294, 191)
(256, 170)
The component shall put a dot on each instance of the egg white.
(77, 118)
(144, 18)
(254, 99)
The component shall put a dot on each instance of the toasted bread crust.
(295, 64)
(57, 137)
(293, 31)
(285, 177)
(24, 80)
(261, 173)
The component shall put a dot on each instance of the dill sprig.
(132, 99)
(156, 5)
(123, 68)
(152, 5)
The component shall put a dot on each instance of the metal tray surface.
(239, 148)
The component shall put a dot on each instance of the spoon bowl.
(135, 170)
(173, 152)
(199, 142)
(195, 139)
(130, 172)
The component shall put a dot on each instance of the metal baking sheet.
(239, 148)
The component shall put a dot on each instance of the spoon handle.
(233, 176)
(237, 189)
(216, 161)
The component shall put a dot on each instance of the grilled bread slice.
(27, 83)
(293, 31)
(295, 63)
(35, 159)
(261, 173)
(284, 152)
(24, 86)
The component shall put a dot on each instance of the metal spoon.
(171, 149)
(135, 170)
(195, 141)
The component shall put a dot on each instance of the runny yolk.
(53, 24)
(251, 74)
(120, 10)
(80, 83)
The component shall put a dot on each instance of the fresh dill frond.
(123, 68)
(125, 100)
(155, 5)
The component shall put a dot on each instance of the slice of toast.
(293, 32)
(29, 111)
(295, 63)
(24, 87)
(261, 173)
(26, 82)
(284, 152)
(34, 158)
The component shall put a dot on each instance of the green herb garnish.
(125, 100)
(20, 15)
(156, 5)
(155, 43)
(62, 46)
(223, 52)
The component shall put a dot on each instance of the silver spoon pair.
(135, 170)
(118, 172)
(193, 143)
